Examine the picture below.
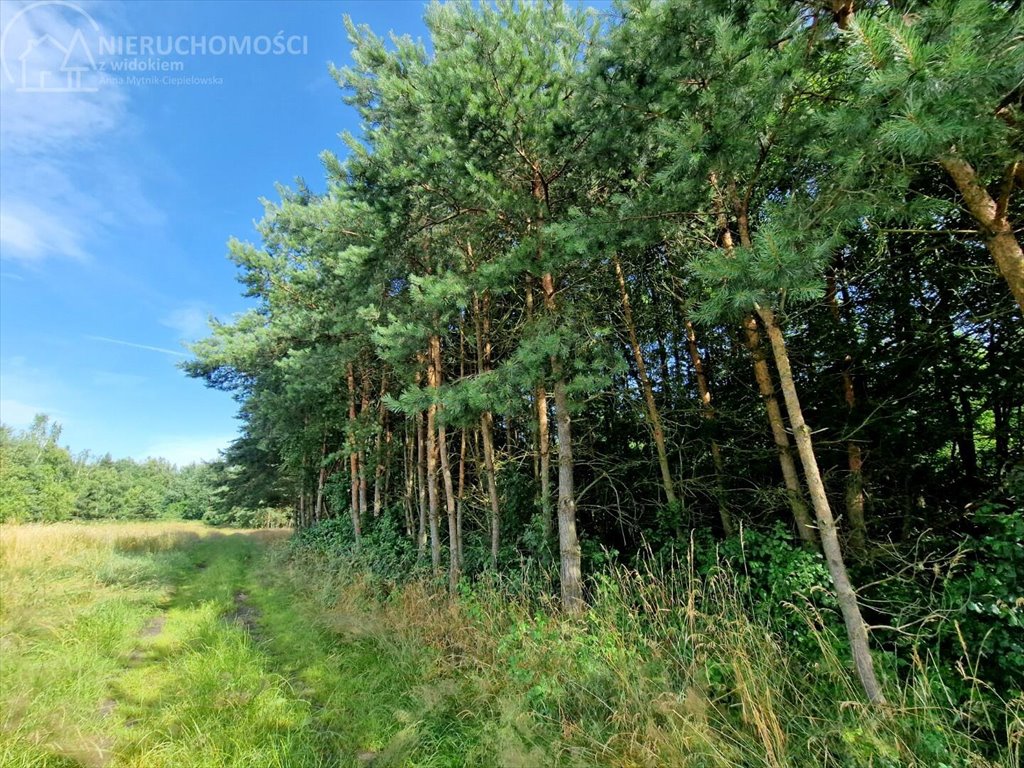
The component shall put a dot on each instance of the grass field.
(172, 644)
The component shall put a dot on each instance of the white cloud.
(188, 450)
(17, 414)
(30, 233)
(73, 162)
(190, 321)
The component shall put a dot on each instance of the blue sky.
(117, 198)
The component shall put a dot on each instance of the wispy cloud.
(73, 162)
(149, 347)
(29, 233)
(190, 321)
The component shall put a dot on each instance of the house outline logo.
(74, 54)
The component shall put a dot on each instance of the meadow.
(173, 644)
(162, 644)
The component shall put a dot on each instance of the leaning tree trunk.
(653, 417)
(763, 377)
(790, 476)
(991, 216)
(321, 481)
(856, 630)
(487, 434)
(460, 495)
(409, 465)
(379, 445)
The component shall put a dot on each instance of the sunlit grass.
(174, 645)
(119, 649)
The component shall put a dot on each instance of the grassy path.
(171, 645)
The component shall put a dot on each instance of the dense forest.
(674, 284)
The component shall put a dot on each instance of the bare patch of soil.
(245, 614)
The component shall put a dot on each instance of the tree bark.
(421, 482)
(854, 455)
(318, 509)
(708, 412)
(763, 377)
(364, 506)
(653, 417)
(991, 216)
(483, 352)
(460, 493)
(568, 541)
(543, 438)
(487, 434)
(353, 455)
(446, 474)
(432, 455)
(378, 472)
(856, 629)
(409, 465)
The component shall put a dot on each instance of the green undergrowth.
(681, 666)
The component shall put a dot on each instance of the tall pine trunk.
(379, 444)
(421, 482)
(483, 353)
(762, 375)
(856, 630)
(708, 412)
(765, 386)
(409, 474)
(854, 455)
(543, 438)
(653, 416)
(432, 494)
(446, 474)
(487, 434)
(353, 455)
(568, 541)
(790, 476)
(321, 480)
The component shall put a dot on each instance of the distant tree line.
(42, 481)
(591, 284)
